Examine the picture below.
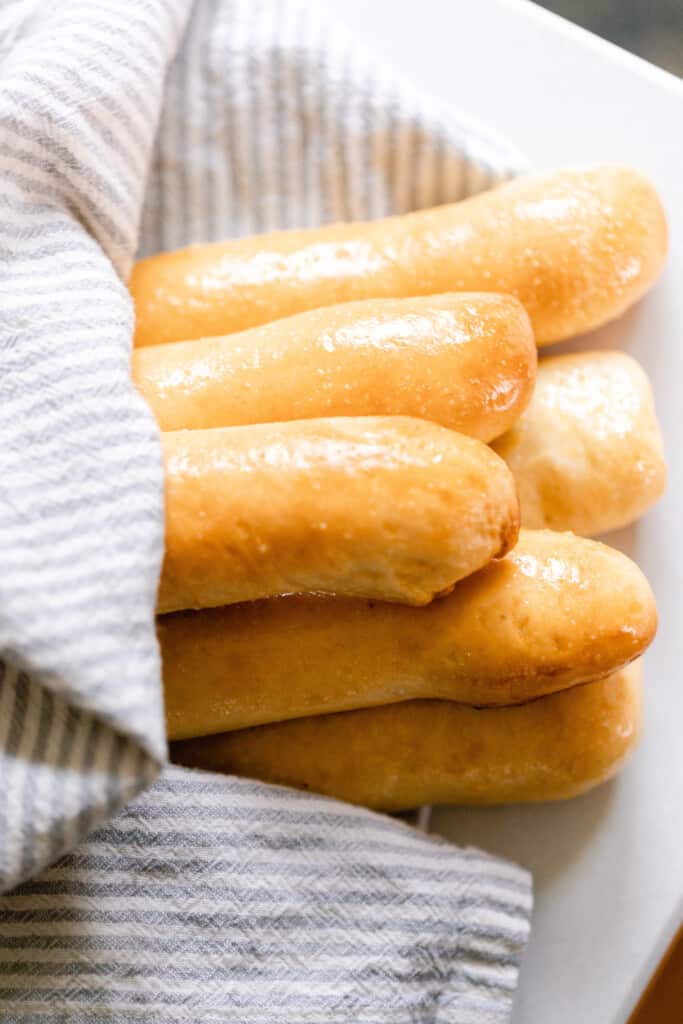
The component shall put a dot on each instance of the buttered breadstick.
(466, 361)
(424, 752)
(380, 507)
(576, 247)
(587, 453)
(556, 611)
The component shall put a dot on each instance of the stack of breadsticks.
(351, 435)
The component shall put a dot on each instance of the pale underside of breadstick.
(466, 361)
(558, 610)
(391, 508)
(576, 247)
(429, 752)
(587, 453)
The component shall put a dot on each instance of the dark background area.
(651, 28)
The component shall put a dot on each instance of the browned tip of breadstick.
(400, 756)
(585, 244)
(509, 533)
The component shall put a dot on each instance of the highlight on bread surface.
(391, 508)
(577, 247)
(466, 361)
(556, 611)
(587, 454)
(399, 756)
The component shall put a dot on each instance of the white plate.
(608, 867)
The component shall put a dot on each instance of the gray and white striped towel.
(147, 124)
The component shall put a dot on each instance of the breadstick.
(558, 610)
(438, 752)
(466, 361)
(587, 453)
(576, 247)
(380, 507)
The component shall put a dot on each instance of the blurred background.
(653, 29)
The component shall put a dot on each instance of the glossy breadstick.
(587, 454)
(558, 610)
(577, 247)
(438, 752)
(382, 507)
(466, 361)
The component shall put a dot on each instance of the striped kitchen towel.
(138, 125)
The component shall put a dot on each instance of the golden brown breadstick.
(382, 507)
(577, 247)
(423, 752)
(587, 454)
(466, 361)
(558, 610)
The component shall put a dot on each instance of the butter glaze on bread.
(437, 752)
(576, 247)
(391, 508)
(466, 361)
(587, 453)
(556, 611)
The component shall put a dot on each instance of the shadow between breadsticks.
(576, 247)
(392, 508)
(399, 756)
(466, 361)
(587, 454)
(557, 611)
